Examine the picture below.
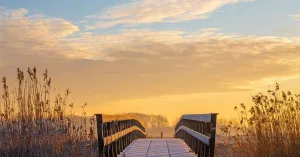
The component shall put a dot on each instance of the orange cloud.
(145, 62)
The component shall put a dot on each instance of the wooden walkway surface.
(157, 148)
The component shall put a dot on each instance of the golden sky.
(162, 60)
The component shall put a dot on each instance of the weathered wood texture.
(195, 136)
(158, 148)
(115, 136)
(198, 131)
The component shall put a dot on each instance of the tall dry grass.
(33, 125)
(270, 128)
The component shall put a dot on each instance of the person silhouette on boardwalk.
(161, 134)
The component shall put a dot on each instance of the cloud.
(15, 25)
(38, 34)
(204, 61)
(295, 16)
(150, 62)
(150, 11)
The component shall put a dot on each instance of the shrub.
(33, 125)
(270, 128)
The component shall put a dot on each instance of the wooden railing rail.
(198, 131)
(114, 136)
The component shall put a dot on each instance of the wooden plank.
(198, 117)
(110, 118)
(157, 148)
(212, 135)
(99, 120)
(114, 137)
(196, 134)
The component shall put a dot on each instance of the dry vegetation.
(271, 127)
(33, 125)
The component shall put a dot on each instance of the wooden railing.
(198, 131)
(114, 136)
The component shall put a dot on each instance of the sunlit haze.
(168, 57)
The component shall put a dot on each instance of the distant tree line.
(152, 121)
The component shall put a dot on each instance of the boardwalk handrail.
(115, 135)
(198, 131)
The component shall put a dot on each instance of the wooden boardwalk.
(194, 136)
(157, 148)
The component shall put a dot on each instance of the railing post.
(212, 134)
(99, 119)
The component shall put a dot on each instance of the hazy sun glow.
(165, 57)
